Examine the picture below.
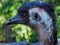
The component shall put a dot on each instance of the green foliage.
(57, 9)
(21, 32)
(58, 25)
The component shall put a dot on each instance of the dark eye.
(37, 17)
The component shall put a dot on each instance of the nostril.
(10, 20)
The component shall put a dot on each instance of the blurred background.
(19, 32)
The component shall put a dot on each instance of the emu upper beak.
(15, 20)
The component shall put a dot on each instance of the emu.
(39, 16)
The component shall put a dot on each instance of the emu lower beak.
(15, 20)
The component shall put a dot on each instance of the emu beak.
(15, 20)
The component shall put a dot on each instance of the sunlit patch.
(1, 5)
(21, 31)
(2, 19)
(59, 16)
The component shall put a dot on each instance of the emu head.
(36, 14)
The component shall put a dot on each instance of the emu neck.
(44, 37)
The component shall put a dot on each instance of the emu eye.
(36, 16)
